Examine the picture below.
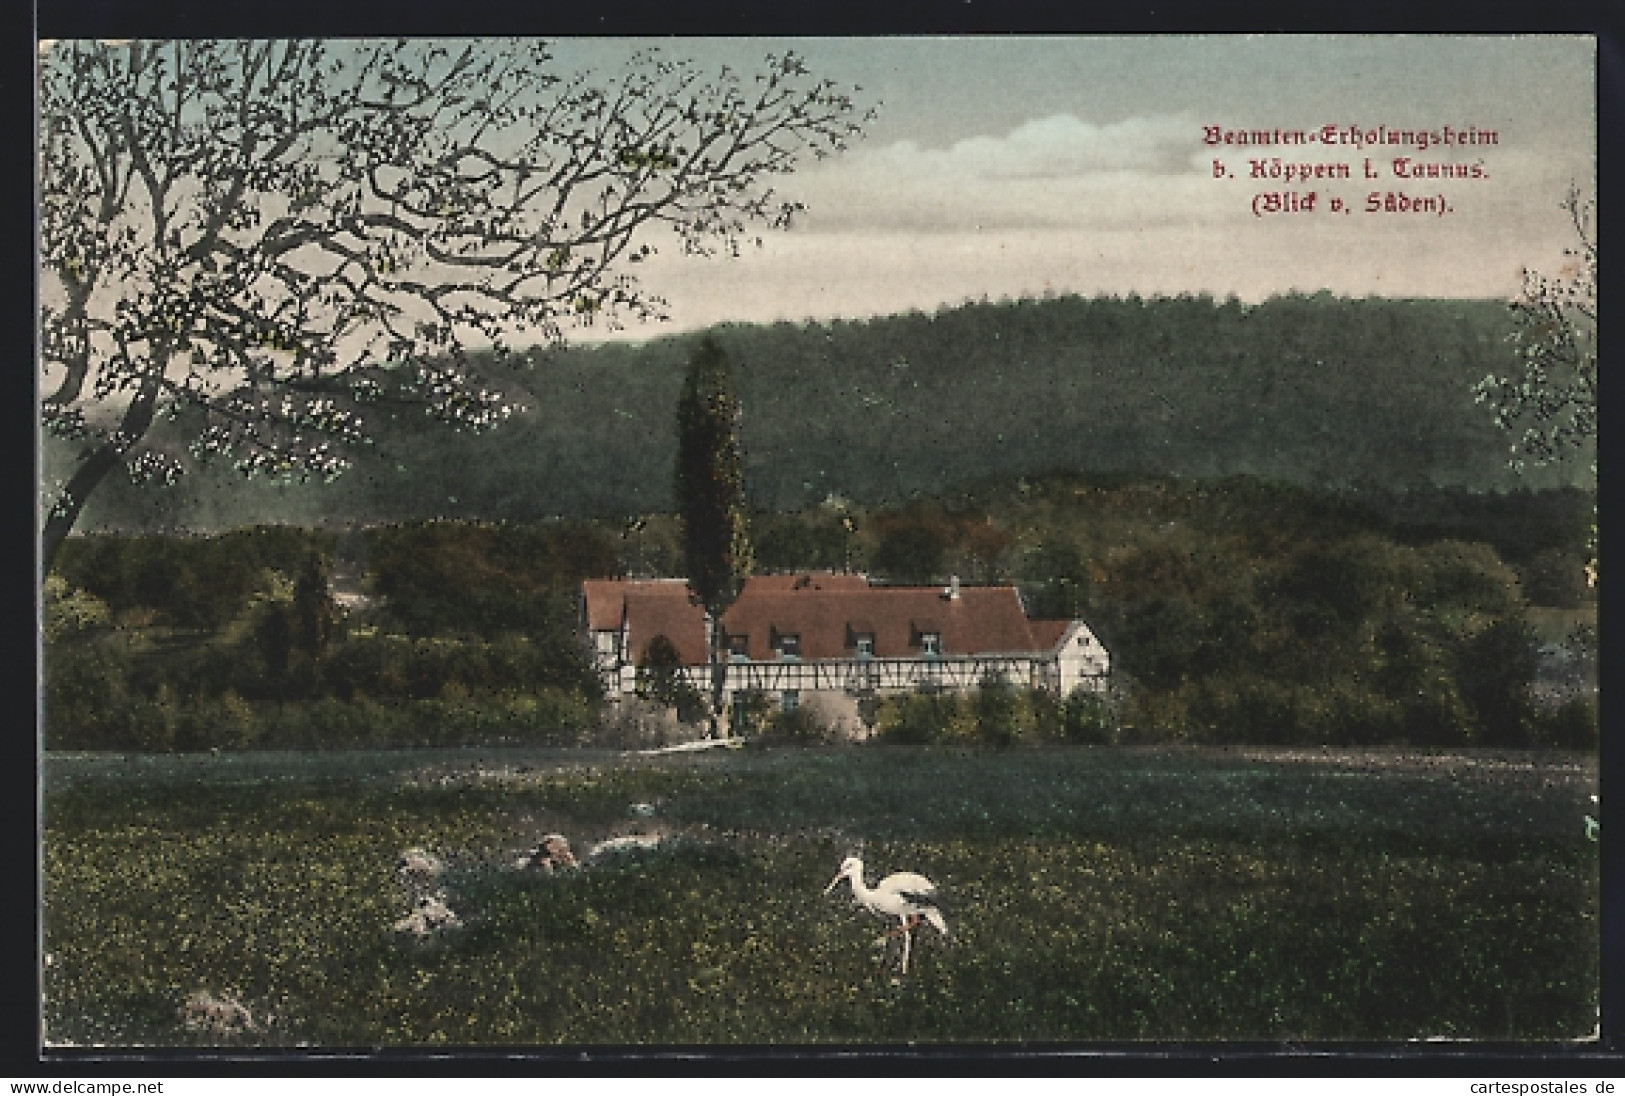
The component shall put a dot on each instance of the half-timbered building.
(824, 641)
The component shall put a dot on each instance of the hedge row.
(171, 722)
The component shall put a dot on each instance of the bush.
(1571, 726)
(917, 719)
(70, 612)
(751, 713)
(797, 727)
(185, 582)
(1468, 577)
(1494, 669)
(1436, 715)
(1087, 718)
(1155, 716)
(87, 699)
(661, 681)
(1248, 709)
(1556, 578)
(422, 669)
(633, 724)
(1001, 720)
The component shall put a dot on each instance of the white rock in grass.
(419, 865)
(550, 853)
(203, 1011)
(432, 913)
(553, 852)
(617, 846)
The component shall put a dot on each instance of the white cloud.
(1055, 147)
(1055, 172)
(1063, 146)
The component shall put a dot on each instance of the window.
(789, 646)
(865, 646)
(789, 701)
(738, 648)
(930, 644)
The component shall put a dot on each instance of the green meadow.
(1094, 894)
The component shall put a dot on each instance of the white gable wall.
(1082, 659)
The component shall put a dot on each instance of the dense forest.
(1317, 390)
(1237, 610)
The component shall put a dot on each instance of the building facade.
(825, 641)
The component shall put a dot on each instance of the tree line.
(1236, 611)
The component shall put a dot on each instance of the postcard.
(817, 543)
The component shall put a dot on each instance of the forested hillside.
(1315, 390)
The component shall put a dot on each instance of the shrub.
(1245, 708)
(423, 668)
(751, 712)
(917, 719)
(1000, 718)
(1555, 577)
(1469, 577)
(153, 723)
(632, 724)
(71, 612)
(1494, 669)
(1436, 715)
(1153, 716)
(1571, 726)
(797, 727)
(187, 582)
(1087, 718)
(661, 681)
(87, 699)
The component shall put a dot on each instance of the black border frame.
(20, 1056)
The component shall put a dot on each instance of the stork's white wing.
(909, 885)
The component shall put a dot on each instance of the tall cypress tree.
(312, 608)
(710, 490)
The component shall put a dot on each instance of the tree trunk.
(719, 673)
(67, 507)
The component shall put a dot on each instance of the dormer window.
(790, 646)
(864, 645)
(738, 648)
(930, 644)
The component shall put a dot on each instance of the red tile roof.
(650, 614)
(606, 597)
(982, 620)
(1048, 633)
(827, 613)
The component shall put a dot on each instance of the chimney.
(951, 591)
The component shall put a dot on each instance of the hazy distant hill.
(1316, 390)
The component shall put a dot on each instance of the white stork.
(905, 896)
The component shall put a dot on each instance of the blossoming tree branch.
(268, 239)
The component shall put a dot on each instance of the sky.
(1018, 167)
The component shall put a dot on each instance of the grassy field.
(1095, 894)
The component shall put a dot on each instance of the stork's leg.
(906, 936)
